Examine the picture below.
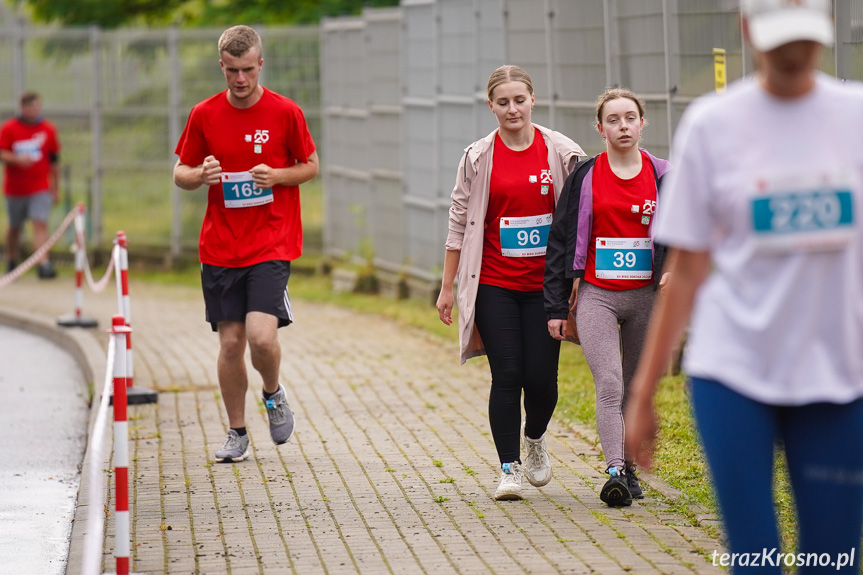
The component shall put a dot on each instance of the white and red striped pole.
(120, 333)
(79, 261)
(123, 302)
(135, 395)
(77, 318)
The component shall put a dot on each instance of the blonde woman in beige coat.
(506, 189)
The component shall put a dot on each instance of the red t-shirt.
(621, 209)
(272, 132)
(521, 196)
(40, 142)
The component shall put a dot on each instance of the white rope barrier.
(25, 266)
(82, 269)
(81, 246)
(99, 287)
(92, 554)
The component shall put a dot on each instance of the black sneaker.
(633, 483)
(46, 271)
(615, 492)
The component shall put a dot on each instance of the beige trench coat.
(467, 218)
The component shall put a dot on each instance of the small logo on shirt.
(262, 136)
(543, 190)
(257, 148)
(649, 206)
(635, 209)
(248, 137)
(545, 176)
(531, 179)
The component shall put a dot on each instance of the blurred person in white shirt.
(763, 213)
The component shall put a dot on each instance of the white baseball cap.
(773, 23)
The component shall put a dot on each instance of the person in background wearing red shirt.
(252, 148)
(507, 186)
(30, 149)
(603, 234)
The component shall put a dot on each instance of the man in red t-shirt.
(29, 148)
(252, 148)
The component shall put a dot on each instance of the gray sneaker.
(537, 464)
(236, 448)
(281, 418)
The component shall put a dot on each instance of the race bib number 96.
(239, 191)
(524, 237)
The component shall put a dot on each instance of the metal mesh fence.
(573, 49)
(120, 100)
(392, 98)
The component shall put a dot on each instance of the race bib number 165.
(239, 191)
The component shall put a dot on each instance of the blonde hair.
(238, 40)
(508, 73)
(613, 94)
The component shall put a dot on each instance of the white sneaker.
(537, 464)
(509, 488)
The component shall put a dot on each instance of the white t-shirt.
(772, 189)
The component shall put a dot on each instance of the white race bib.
(807, 212)
(31, 148)
(239, 191)
(524, 237)
(624, 258)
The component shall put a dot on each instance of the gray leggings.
(612, 326)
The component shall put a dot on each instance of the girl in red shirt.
(607, 207)
(502, 207)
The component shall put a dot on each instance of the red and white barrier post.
(77, 319)
(123, 303)
(136, 395)
(120, 332)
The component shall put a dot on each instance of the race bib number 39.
(239, 191)
(524, 237)
(624, 258)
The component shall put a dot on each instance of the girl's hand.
(444, 305)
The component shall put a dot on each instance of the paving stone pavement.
(391, 469)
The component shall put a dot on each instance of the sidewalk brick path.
(391, 469)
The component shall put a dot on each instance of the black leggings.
(522, 355)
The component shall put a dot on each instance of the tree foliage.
(106, 13)
(191, 13)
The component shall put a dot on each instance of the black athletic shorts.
(231, 293)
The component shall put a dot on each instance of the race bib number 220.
(817, 220)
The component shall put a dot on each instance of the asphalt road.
(43, 427)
